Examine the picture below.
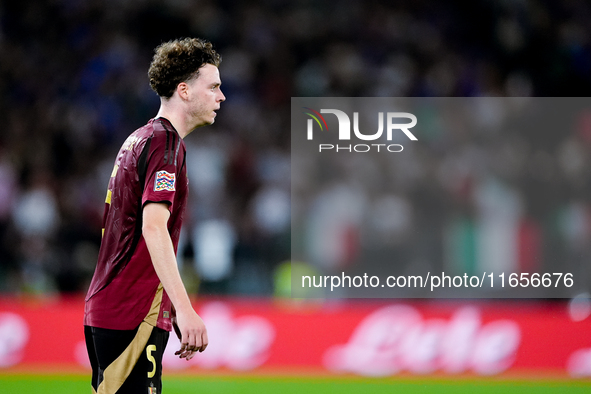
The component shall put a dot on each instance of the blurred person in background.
(136, 295)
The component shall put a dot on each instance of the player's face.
(205, 95)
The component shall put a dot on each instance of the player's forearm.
(162, 254)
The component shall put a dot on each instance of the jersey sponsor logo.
(164, 181)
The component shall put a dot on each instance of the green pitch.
(75, 384)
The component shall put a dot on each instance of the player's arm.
(155, 232)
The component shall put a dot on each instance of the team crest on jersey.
(164, 181)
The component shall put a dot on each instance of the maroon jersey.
(150, 167)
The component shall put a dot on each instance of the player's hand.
(192, 332)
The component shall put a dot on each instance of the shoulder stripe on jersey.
(176, 154)
(167, 139)
(184, 160)
(171, 158)
(142, 165)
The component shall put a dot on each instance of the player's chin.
(205, 122)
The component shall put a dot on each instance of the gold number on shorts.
(149, 350)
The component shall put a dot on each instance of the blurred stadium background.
(73, 85)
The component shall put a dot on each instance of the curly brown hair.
(179, 61)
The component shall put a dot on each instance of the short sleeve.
(161, 170)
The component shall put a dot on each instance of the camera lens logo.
(316, 119)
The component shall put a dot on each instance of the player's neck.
(177, 120)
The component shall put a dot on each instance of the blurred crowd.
(73, 85)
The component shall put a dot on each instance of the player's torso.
(150, 166)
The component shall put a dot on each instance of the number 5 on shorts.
(149, 350)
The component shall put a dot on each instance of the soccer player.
(136, 295)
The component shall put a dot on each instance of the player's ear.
(183, 90)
